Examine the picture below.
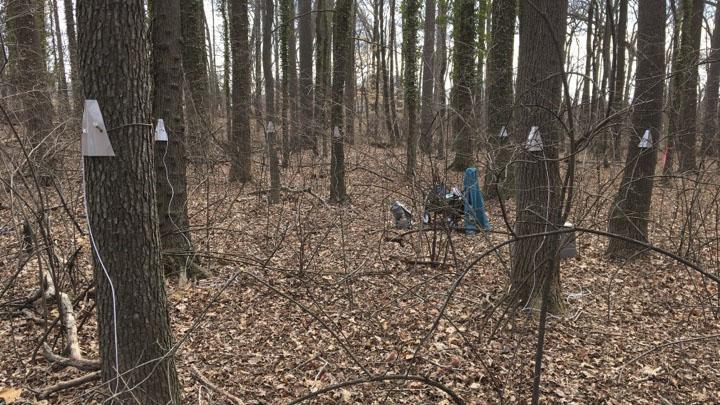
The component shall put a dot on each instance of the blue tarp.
(475, 215)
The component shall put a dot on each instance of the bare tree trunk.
(710, 123)
(270, 118)
(306, 71)
(393, 74)
(411, 13)
(341, 56)
(351, 83)
(689, 57)
(197, 102)
(30, 77)
(62, 79)
(170, 159)
(133, 323)
(500, 95)
(674, 92)
(241, 140)
(478, 94)
(428, 79)
(440, 69)
(322, 74)
(464, 77)
(629, 214)
(619, 78)
(72, 50)
(535, 263)
(589, 53)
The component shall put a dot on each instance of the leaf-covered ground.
(303, 295)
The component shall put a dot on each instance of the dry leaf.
(10, 395)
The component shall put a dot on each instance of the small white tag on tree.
(336, 132)
(270, 126)
(503, 133)
(534, 141)
(646, 141)
(160, 132)
(94, 140)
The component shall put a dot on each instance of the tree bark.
(29, 75)
(619, 78)
(271, 123)
(72, 50)
(464, 78)
(62, 79)
(710, 145)
(306, 71)
(341, 56)
(170, 159)
(241, 141)
(630, 212)
(411, 12)
(440, 69)
(132, 311)
(500, 95)
(195, 66)
(428, 79)
(674, 93)
(689, 57)
(351, 82)
(322, 74)
(535, 261)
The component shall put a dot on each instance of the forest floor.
(303, 295)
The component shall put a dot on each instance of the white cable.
(107, 275)
(172, 195)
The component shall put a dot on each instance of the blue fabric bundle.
(475, 214)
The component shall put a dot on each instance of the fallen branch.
(63, 385)
(212, 387)
(384, 378)
(79, 363)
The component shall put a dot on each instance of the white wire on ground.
(107, 275)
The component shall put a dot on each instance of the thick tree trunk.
(464, 77)
(341, 56)
(428, 79)
(170, 159)
(629, 214)
(241, 140)
(132, 311)
(306, 71)
(197, 104)
(535, 262)
(710, 145)
(689, 54)
(411, 11)
(500, 95)
(30, 77)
